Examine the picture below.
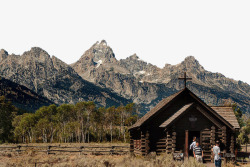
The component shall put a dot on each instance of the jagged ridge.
(147, 84)
(21, 96)
(129, 78)
(52, 78)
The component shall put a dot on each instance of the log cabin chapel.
(170, 126)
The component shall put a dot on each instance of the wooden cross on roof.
(185, 79)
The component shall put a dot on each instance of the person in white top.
(193, 144)
(217, 154)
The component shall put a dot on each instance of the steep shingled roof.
(175, 115)
(228, 114)
(160, 105)
(225, 114)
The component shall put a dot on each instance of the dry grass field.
(31, 157)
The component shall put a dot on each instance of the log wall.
(224, 138)
(161, 146)
(232, 144)
(206, 143)
(168, 142)
(144, 143)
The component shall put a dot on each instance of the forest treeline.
(82, 122)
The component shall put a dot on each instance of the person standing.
(217, 154)
(198, 152)
(193, 144)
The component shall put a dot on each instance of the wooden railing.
(116, 150)
(245, 148)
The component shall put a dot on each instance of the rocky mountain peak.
(103, 42)
(94, 59)
(38, 50)
(99, 53)
(134, 56)
(3, 54)
(137, 66)
(132, 78)
(2, 51)
(190, 58)
(167, 66)
(37, 53)
(191, 62)
(54, 79)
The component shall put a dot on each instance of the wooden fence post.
(48, 150)
(112, 150)
(19, 149)
(80, 149)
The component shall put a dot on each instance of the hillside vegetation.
(82, 122)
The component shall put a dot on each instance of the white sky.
(215, 32)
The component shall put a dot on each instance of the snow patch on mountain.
(99, 63)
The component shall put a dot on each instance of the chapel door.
(191, 135)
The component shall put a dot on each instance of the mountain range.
(100, 77)
(22, 97)
(51, 78)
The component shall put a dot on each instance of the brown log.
(161, 146)
(203, 136)
(161, 150)
(205, 132)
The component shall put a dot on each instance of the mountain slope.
(53, 79)
(21, 96)
(100, 77)
(147, 84)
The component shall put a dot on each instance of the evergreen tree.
(7, 112)
(238, 113)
